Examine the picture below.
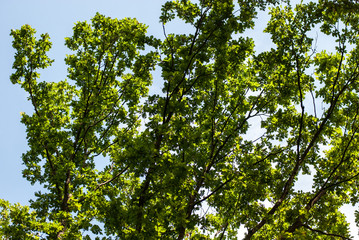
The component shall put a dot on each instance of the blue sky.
(57, 18)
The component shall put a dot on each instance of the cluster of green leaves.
(185, 163)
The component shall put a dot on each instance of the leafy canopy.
(221, 147)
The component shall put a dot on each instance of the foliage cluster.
(186, 163)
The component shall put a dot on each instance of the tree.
(183, 164)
